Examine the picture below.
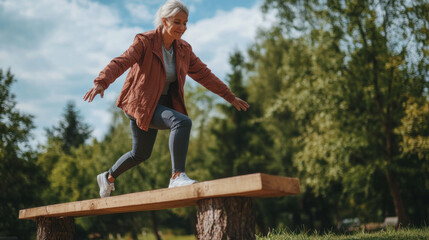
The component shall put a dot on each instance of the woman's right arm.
(116, 68)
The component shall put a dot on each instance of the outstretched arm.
(116, 68)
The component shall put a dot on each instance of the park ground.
(385, 234)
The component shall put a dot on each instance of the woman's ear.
(164, 21)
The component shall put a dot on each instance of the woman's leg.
(163, 118)
(142, 149)
(180, 125)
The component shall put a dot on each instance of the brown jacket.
(145, 80)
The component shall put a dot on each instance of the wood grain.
(256, 185)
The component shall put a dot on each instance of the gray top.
(170, 68)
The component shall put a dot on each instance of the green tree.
(240, 144)
(380, 60)
(414, 145)
(302, 98)
(71, 130)
(200, 105)
(21, 177)
(62, 162)
(414, 129)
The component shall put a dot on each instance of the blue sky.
(55, 48)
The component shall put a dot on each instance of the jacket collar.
(157, 45)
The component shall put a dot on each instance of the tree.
(414, 145)
(65, 170)
(414, 129)
(240, 144)
(384, 48)
(71, 131)
(21, 177)
(297, 113)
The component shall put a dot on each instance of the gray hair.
(169, 9)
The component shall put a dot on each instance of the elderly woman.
(152, 96)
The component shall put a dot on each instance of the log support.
(218, 219)
(55, 228)
(226, 218)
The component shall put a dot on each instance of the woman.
(152, 96)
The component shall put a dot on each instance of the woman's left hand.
(240, 104)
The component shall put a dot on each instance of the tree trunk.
(397, 198)
(61, 228)
(155, 225)
(391, 176)
(225, 218)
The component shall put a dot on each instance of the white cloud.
(214, 39)
(82, 35)
(139, 11)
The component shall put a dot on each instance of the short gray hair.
(169, 9)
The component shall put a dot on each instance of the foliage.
(240, 144)
(67, 164)
(21, 177)
(343, 79)
(414, 146)
(71, 130)
(415, 130)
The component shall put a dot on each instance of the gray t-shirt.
(170, 68)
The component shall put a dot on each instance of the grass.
(387, 234)
(168, 237)
(164, 236)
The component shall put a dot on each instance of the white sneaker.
(105, 186)
(181, 180)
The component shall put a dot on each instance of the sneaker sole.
(173, 186)
(99, 180)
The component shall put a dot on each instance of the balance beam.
(239, 188)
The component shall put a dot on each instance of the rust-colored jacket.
(146, 78)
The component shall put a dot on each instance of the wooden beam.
(252, 185)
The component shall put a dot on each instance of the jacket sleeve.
(120, 64)
(204, 76)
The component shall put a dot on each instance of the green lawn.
(168, 237)
(389, 234)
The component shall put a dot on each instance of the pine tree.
(240, 143)
(71, 130)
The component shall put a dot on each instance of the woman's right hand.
(90, 95)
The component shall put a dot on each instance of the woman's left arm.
(203, 75)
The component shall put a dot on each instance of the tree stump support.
(55, 228)
(226, 218)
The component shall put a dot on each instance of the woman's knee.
(185, 122)
(140, 156)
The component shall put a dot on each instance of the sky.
(56, 48)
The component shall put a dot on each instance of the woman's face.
(175, 26)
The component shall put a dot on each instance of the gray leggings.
(163, 118)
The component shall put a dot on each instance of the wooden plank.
(252, 185)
